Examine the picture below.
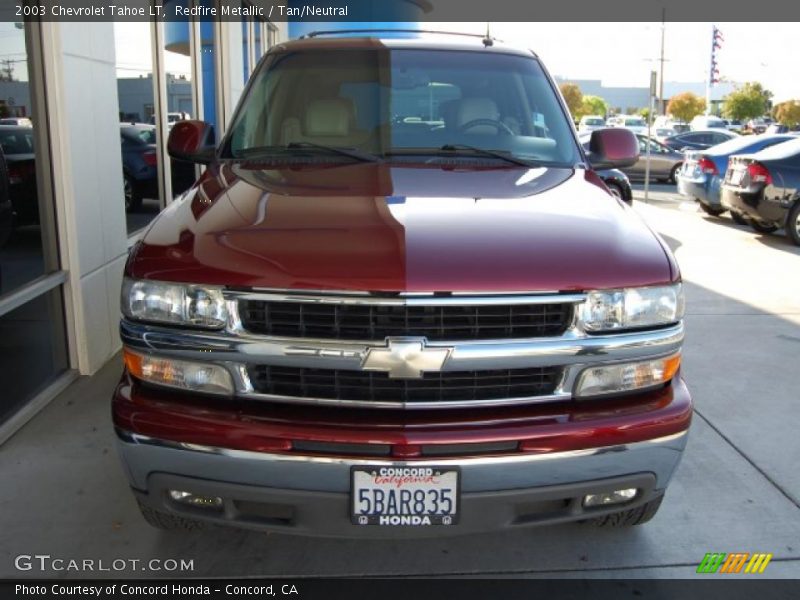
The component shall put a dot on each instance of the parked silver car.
(664, 162)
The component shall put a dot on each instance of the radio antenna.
(488, 41)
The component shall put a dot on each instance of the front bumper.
(578, 448)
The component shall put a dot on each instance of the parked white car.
(633, 122)
(705, 122)
(16, 121)
(590, 123)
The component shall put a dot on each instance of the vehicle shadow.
(778, 240)
(739, 361)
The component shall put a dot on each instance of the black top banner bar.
(387, 11)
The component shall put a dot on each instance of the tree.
(645, 112)
(788, 113)
(594, 105)
(748, 102)
(686, 106)
(573, 97)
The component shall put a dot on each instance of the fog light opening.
(608, 498)
(196, 500)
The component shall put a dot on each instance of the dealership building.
(64, 228)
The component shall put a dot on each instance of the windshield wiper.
(502, 155)
(351, 152)
(273, 150)
(453, 149)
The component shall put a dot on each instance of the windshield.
(635, 123)
(744, 144)
(16, 141)
(395, 102)
(594, 122)
(788, 149)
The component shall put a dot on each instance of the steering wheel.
(499, 125)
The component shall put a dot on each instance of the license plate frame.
(737, 175)
(450, 481)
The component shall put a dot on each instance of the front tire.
(712, 210)
(762, 227)
(793, 224)
(133, 200)
(167, 521)
(673, 174)
(629, 518)
(739, 218)
(617, 191)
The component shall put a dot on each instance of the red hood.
(372, 227)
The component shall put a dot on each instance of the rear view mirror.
(192, 141)
(612, 148)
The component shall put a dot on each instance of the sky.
(765, 52)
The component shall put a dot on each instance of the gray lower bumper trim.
(326, 514)
(144, 456)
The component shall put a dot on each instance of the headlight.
(181, 374)
(632, 308)
(627, 377)
(160, 302)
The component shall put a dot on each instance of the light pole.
(661, 106)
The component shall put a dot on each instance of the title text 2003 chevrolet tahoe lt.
(400, 302)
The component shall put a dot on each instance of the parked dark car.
(698, 140)
(139, 165)
(704, 170)
(17, 144)
(6, 209)
(765, 187)
(778, 128)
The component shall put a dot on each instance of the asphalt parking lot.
(737, 490)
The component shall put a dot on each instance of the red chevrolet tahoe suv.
(400, 302)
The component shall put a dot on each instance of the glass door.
(33, 347)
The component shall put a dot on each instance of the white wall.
(82, 94)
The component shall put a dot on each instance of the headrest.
(332, 116)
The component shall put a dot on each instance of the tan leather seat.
(325, 121)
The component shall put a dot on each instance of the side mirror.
(612, 148)
(192, 141)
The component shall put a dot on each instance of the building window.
(33, 348)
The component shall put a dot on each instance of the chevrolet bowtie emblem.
(405, 358)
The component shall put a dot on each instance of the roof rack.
(487, 40)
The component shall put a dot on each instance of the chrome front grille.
(376, 321)
(369, 386)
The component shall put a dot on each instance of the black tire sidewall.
(791, 223)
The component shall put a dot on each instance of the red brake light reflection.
(150, 159)
(759, 173)
(707, 166)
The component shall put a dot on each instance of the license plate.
(404, 496)
(736, 176)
